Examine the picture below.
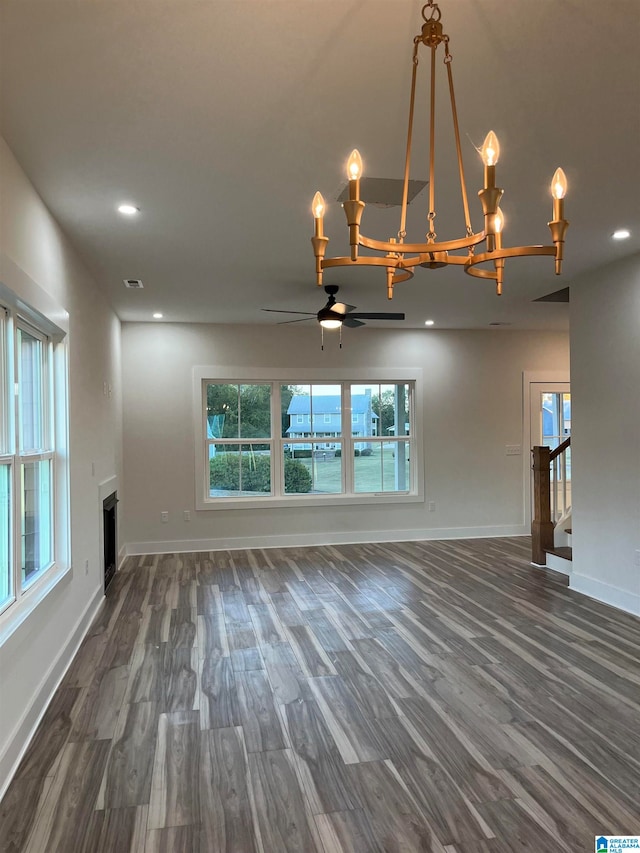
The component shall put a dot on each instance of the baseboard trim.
(606, 593)
(25, 729)
(300, 540)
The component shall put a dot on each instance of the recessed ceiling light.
(128, 209)
(157, 316)
(621, 234)
(429, 322)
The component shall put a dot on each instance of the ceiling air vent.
(133, 283)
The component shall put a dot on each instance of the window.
(257, 452)
(32, 416)
(239, 439)
(385, 442)
(35, 453)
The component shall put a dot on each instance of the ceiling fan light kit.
(335, 315)
(399, 258)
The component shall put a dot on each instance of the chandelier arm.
(432, 142)
(407, 161)
(404, 275)
(446, 246)
(402, 263)
(361, 261)
(456, 130)
(500, 254)
(478, 273)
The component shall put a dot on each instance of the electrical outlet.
(86, 567)
(431, 506)
(164, 517)
(187, 515)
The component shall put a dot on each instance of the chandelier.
(481, 254)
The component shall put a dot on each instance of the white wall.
(33, 249)
(473, 408)
(605, 383)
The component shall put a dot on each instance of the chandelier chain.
(435, 15)
(431, 233)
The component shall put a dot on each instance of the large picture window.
(32, 416)
(284, 442)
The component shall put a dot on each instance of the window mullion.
(347, 440)
(277, 452)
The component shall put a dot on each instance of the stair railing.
(551, 495)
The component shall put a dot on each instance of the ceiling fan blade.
(363, 315)
(301, 320)
(280, 311)
(343, 308)
(351, 322)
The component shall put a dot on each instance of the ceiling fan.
(334, 315)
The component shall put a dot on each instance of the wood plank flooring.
(421, 696)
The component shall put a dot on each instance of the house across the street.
(319, 417)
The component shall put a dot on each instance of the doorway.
(546, 420)
(550, 425)
(550, 407)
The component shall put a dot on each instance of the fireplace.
(109, 536)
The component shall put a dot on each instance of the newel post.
(541, 525)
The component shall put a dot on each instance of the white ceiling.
(221, 118)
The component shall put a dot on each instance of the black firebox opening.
(109, 527)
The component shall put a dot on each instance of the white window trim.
(35, 307)
(354, 376)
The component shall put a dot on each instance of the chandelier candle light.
(399, 258)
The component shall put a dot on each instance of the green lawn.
(372, 474)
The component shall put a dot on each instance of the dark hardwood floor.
(424, 696)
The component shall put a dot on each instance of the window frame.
(35, 318)
(205, 374)
(46, 451)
